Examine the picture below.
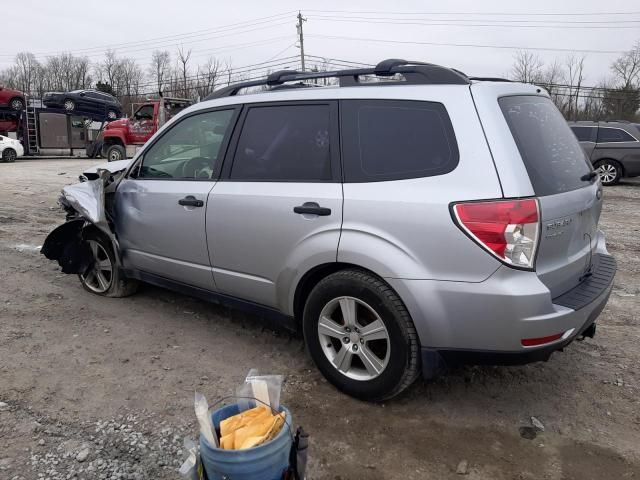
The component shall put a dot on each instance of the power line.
(514, 14)
(472, 45)
(449, 24)
(175, 37)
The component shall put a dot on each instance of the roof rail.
(415, 73)
(490, 79)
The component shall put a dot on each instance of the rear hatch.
(556, 166)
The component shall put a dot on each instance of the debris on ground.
(462, 468)
(537, 424)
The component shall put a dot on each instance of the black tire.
(69, 105)
(9, 155)
(16, 104)
(118, 284)
(403, 365)
(610, 172)
(115, 153)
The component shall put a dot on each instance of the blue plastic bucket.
(264, 462)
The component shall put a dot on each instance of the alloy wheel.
(607, 172)
(17, 104)
(69, 105)
(99, 277)
(354, 338)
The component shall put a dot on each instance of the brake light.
(508, 229)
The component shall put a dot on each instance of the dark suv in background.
(612, 147)
(89, 101)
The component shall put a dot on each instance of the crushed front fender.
(66, 245)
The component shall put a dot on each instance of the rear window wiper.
(587, 177)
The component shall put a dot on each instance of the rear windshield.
(550, 151)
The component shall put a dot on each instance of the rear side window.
(584, 134)
(394, 140)
(613, 135)
(550, 151)
(284, 143)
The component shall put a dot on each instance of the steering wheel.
(194, 166)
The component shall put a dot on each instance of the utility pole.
(301, 38)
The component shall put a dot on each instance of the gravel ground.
(98, 388)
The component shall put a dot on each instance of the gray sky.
(88, 27)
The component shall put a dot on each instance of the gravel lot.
(103, 388)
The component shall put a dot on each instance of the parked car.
(612, 147)
(90, 101)
(403, 226)
(9, 121)
(13, 99)
(10, 149)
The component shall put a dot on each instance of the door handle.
(312, 208)
(190, 201)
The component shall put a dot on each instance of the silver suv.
(612, 147)
(406, 219)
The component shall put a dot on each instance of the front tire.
(361, 336)
(115, 153)
(9, 155)
(104, 277)
(610, 172)
(69, 105)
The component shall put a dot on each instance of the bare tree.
(626, 69)
(159, 69)
(183, 59)
(207, 77)
(527, 67)
(26, 70)
(575, 77)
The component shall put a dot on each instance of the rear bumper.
(486, 322)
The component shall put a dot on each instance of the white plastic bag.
(265, 389)
(202, 414)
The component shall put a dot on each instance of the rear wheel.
(360, 335)
(16, 104)
(112, 114)
(69, 105)
(610, 171)
(103, 276)
(9, 155)
(115, 153)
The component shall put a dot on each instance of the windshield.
(550, 151)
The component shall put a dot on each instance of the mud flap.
(67, 245)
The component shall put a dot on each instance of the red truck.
(122, 138)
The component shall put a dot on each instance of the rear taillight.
(509, 229)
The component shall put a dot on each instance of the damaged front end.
(88, 207)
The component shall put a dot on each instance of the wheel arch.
(313, 276)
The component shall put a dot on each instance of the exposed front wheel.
(103, 277)
(360, 335)
(610, 172)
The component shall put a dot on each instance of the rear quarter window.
(550, 151)
(393, 140)
(613, 135)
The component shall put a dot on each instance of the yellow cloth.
(250, 428)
